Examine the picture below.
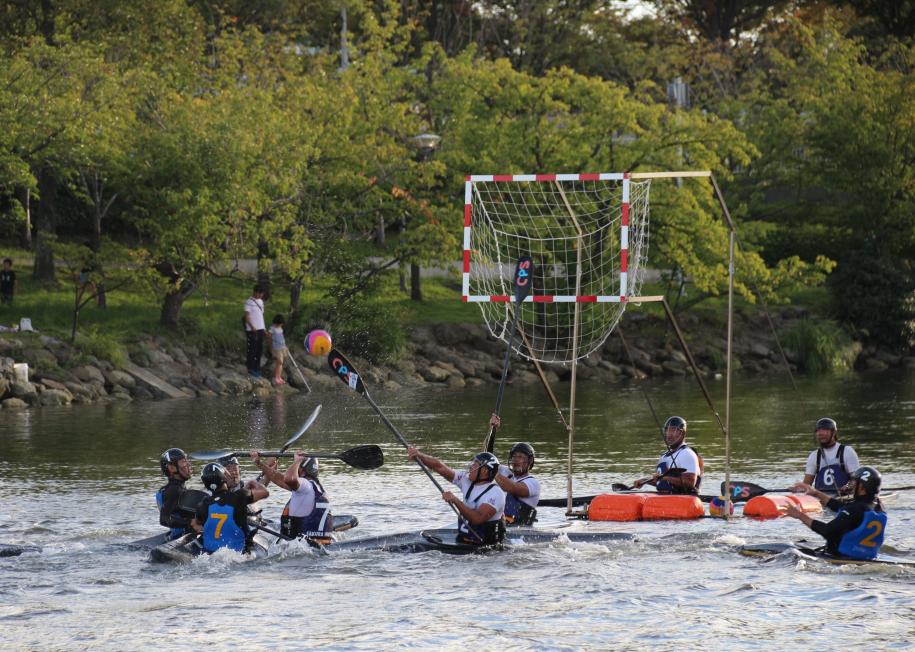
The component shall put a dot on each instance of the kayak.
(802, 550)
(11, 550)
(188, 547)
(445, 540)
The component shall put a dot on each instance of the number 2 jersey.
(857, 531)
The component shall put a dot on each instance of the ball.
(318, 342)
(716, 506)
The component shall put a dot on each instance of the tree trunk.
(379, 230)
(45, 220)
(171, 308)
(416, 293)
(295, 296)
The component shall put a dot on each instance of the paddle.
(347, 373)
(366, 456)
(521, 282)
(743, 491)
(617, 487)
(296, 365)
(305, 426)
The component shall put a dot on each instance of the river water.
(79, 482)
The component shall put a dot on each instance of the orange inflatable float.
(774, 506)
(644, 507)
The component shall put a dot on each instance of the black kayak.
(188, 547)
(445, 540)
(772, 549)
(12, 550)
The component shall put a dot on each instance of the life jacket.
(663, 486)
(317, 525)
(488, 533)
(517, 512)
(220, 529)
(834, 476)
(175, 532)
(865, 540)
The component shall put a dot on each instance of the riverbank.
(446, 355)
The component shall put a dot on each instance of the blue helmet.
(826, 424)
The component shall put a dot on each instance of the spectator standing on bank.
(277, 349)
(254, 330)
(7, 282)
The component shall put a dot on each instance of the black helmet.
(527, 449)
(675, 422)
(825, 424)
(213, 476)
(310, 466)
(488, 461)
(869, 477)
(171, 456)
(228, 459)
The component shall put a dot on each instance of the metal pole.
(579, 245)
(727, 397)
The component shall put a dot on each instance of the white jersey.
(533, 486)
(683, 457)
(830, 456)
(255, 311)
(480, 494)
(302, 500)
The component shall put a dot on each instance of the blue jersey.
(834, 476)
(865, 540)
(225, 521)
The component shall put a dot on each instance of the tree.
(836, 167)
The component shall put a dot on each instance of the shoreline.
(448, 355)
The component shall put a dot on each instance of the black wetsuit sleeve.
(847, 520)
(169, 515)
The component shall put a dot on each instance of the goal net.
(588, 237)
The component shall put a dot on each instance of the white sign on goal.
(588, 237)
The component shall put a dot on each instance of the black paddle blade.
(743, 491)
(524, 278)
(345, 371)
(365, 457)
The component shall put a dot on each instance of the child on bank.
(278, 348)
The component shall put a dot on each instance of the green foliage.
(821, 346)
(877, 298)
(103, 344)
(369, 329)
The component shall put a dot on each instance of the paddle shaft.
(351, 378)
(305, 426)
(301, 375)
(583, 500)
(425, 469)
(403, 441)
(524, 268)
(491, 439)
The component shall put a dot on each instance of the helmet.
(488, 461)
(213, 476)
(310, 466)
(869, 477)
(675, 422)
(171, 456)
(228, 459)
(523, 447)
(825, 424)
